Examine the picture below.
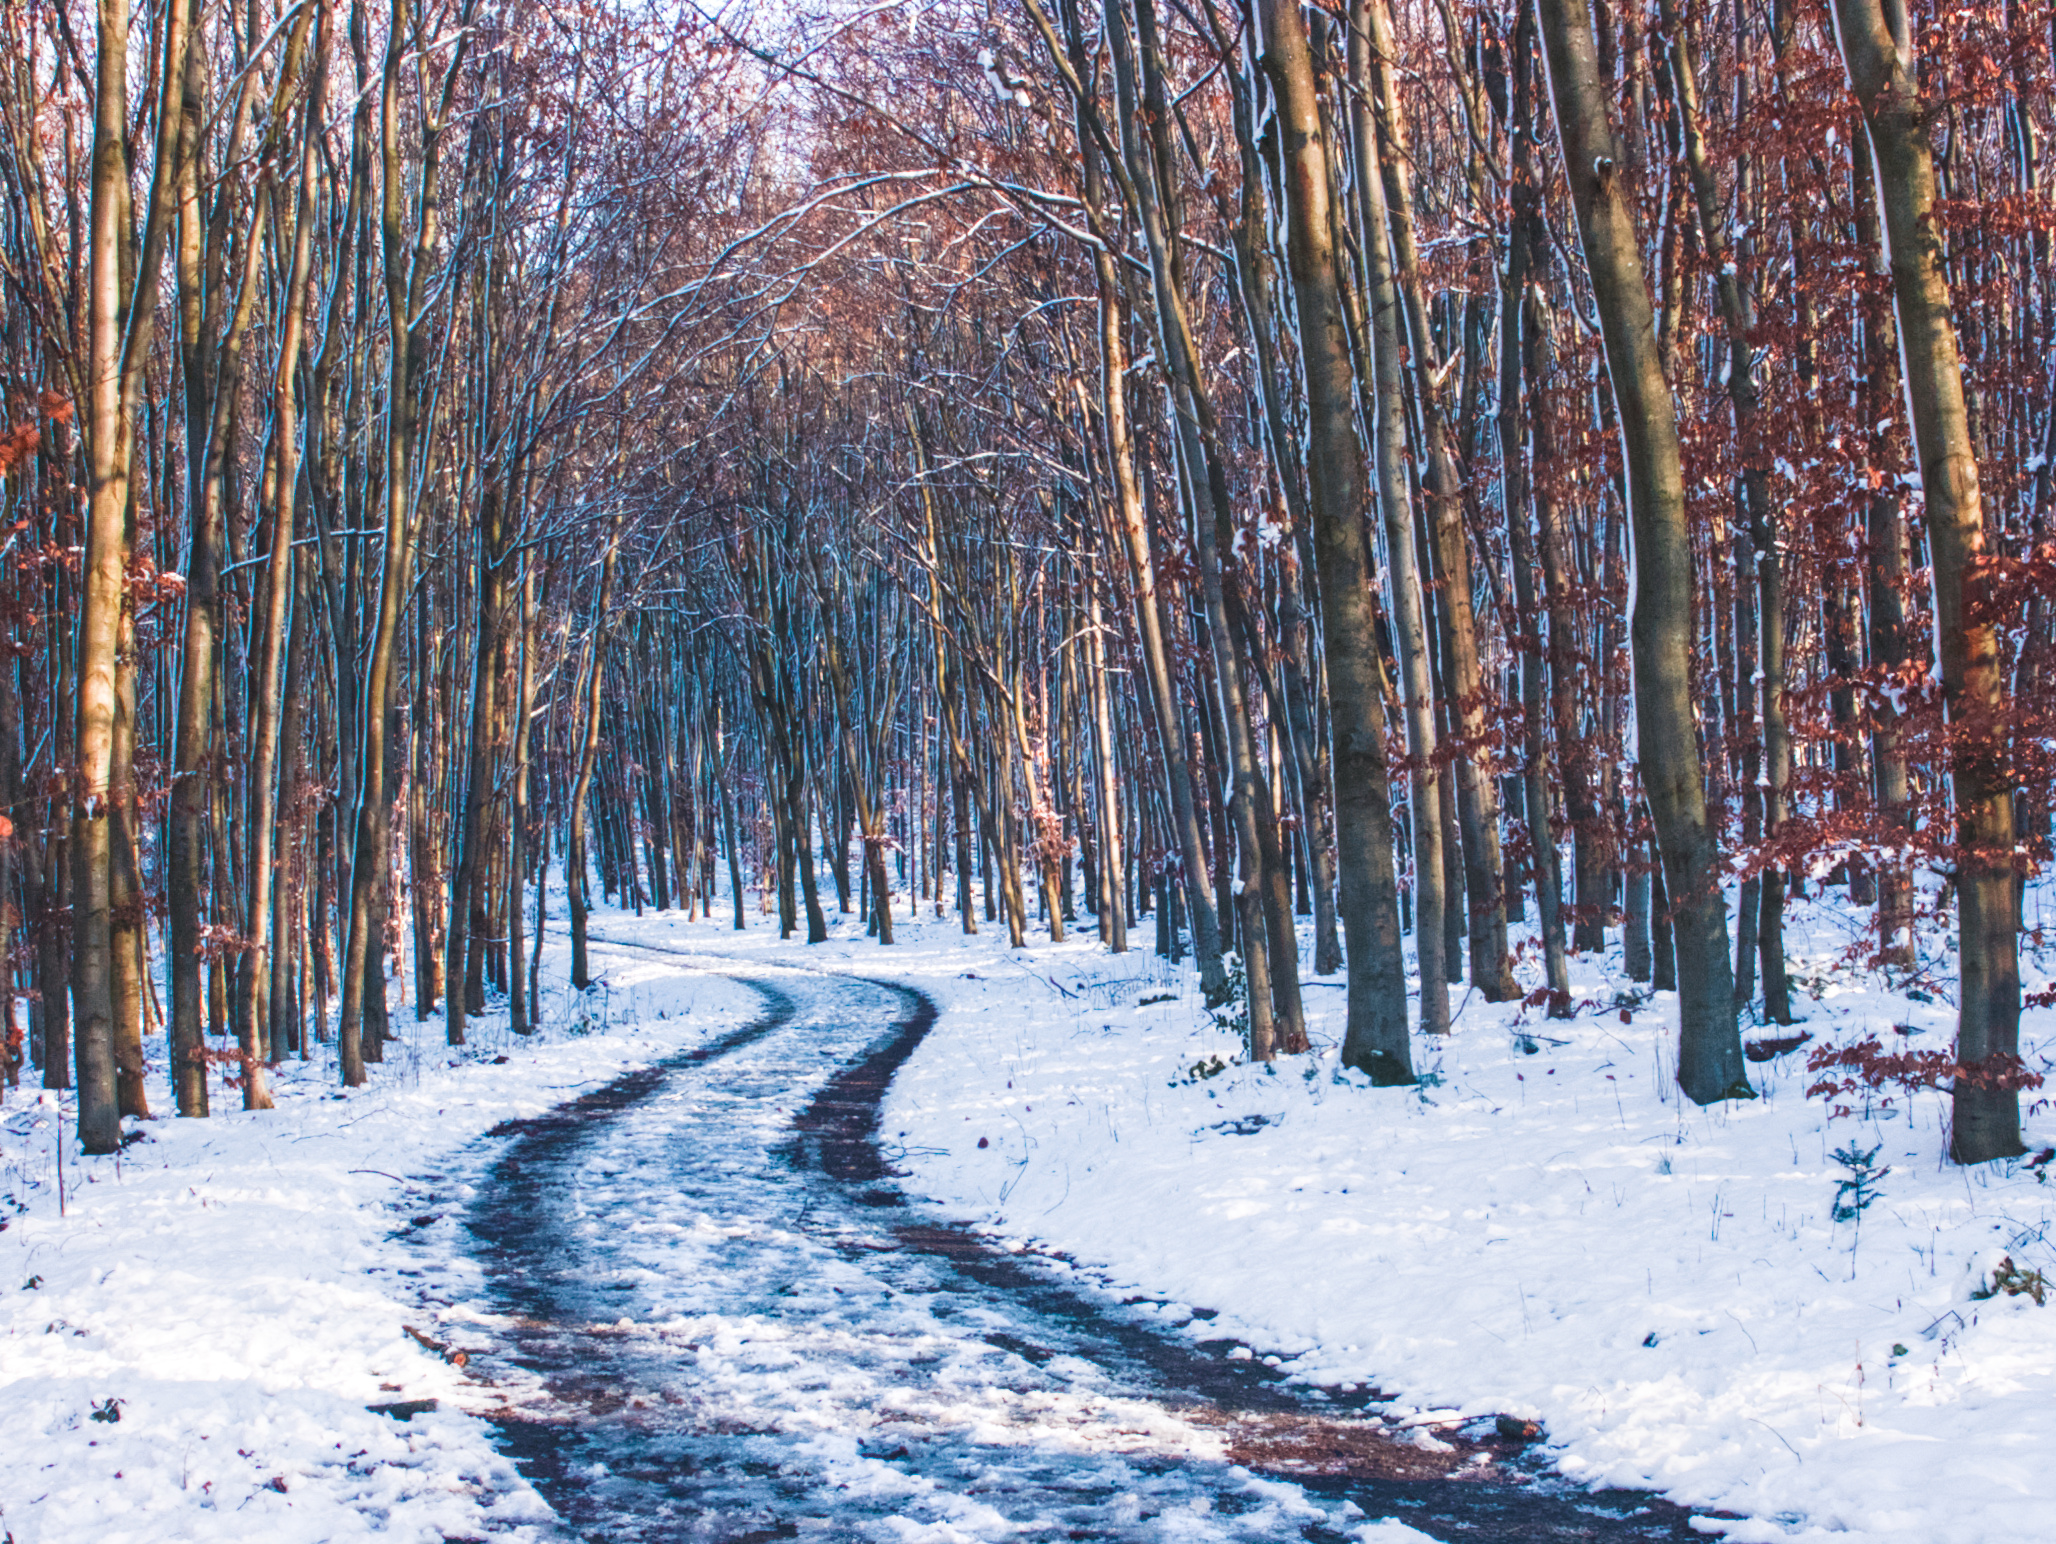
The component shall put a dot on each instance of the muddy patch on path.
(721, 1319)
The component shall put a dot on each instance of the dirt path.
(726, 1323)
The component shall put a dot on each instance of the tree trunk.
(1877, 47)
(1376, 1034)
(1519, 360)
(1167, 716)
(406, 275)
(1885, 544)
(102, 581)
(1113, 921)
(254, 1018)
(1463, 684)
(1279, 1019)
(469, 916)
(523, 1019)
(575, 867)
(1395, 502)
(1710, 1065)
(1765, 568)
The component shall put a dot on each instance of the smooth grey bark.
(1710, 1065)
(1395, 505)
(1375, 1040)
(1878, 50)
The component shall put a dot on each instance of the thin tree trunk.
(1765, 567)
(1519, 351)
(1113, 921)
(102, 581)
(1280, 1019)
(522, 1021)
(1463, 684)
(253, 1017)
(469, 914)
(1885, 542)
(1169, 720)
(728, 836)
(1395, 502)
(575, 868)
(406, 276)
(1375, 1039)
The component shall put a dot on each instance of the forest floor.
(1543, 1228)
(190, 1350)
(710, 1313)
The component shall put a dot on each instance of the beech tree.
(1878, 48)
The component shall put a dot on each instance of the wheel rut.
(722, 1320)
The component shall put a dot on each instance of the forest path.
(721, 1321)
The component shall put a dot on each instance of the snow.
(1551, 1235)
(239, 1287)
(1541, 1229)
(773, 1340)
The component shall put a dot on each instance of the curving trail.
(723, 1322)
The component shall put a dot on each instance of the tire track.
(607, 1432)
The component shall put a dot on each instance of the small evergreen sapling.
(1855, 1192)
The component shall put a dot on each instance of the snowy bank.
(1543, 1228)
(192, 1349)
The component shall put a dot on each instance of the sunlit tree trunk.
(112, 331)
(1710, 1065)
(1878, 49)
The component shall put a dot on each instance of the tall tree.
(1375, 1040)
(1878, 50)
(1710, 1066)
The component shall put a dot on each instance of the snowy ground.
(712, 1332)
(1548, 1233)
(1543, 1228)
(189, 1351)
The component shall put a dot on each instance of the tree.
(1710, 1064)
(1877, 47)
